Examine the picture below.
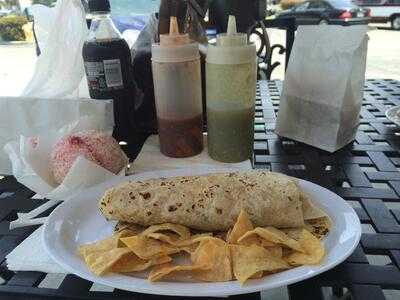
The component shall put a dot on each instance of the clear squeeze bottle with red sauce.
(177, 89)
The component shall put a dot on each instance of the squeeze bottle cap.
(232, 29)
(231, 37)
(174, 37)
(175, 47)
(232, 47)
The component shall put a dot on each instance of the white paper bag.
(33, 116)
(322, 91)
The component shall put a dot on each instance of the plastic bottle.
(177, 89)
(231, 75)
(107, 60)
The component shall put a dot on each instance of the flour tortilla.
(310, 211)
(210, 202)
(316, 220)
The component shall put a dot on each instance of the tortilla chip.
(173, 239)
(147, 248)
(310, 211)
(275, 251)
(314, 251)
(293, 233)
(174, 273)
(257, 275)
(275, 236)
(228, 233)
(192, 244)
(169, 238)
(211, 262)
(242, 225)
(264, 243)
(217, 255)
(134, 229)
(107, 244)
(248, 261)
(130, 262)
(188, 246)
(201, 238)
(223, 235)
(102, 262)
(182, 231)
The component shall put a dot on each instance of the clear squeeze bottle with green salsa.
(231, 74)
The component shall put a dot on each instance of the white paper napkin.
(150, 159)
(30, 255)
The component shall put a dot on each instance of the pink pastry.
(95, 146)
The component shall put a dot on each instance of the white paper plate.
(393, 115)
(79, 221)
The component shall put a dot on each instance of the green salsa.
(230, 111)
(230, 134)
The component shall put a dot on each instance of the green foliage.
(9, 3)
(11, 28)
(44, 2)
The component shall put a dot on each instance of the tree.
(44, 2)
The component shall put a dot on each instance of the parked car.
(5, 12)
(327, 12)
(383, 11)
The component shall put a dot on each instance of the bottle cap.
(99, 6)
(175, 47)
(231, 47)
(174, 37)
(232, 29)
(232, 37)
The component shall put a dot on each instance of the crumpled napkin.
(30, 157)
(29, 116)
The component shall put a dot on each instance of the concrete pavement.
(17, 62)
(383, 59)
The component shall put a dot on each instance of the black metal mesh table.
(364, 173)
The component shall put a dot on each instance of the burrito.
(210, 202)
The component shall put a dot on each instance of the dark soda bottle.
(107, 60)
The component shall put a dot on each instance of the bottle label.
(105, 75)
(113, 73)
